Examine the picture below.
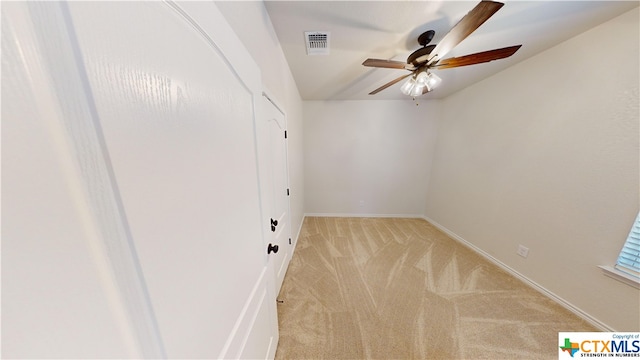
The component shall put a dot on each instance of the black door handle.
(272, 249)
(274, 223)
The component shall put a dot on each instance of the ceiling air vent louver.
(317, 42)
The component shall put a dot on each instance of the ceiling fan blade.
(388, 64)
(469, 23)
(389, 84)
(476, 58)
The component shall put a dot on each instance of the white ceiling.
(389, 30)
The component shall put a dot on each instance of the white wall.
(368, 157)
(261, 41)
(546, 154)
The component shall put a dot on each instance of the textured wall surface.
(546, 154)
(368, 157)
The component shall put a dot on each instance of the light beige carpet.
(382, 288)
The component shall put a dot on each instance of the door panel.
(257, 345)
(59, 298)
(182, 154)
(177, 118)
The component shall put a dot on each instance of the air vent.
(317, 42)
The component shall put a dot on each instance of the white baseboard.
(295, 239)
(408, 216)
(564, 303)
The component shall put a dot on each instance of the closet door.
(276, 190)
(166, 95)
(176, 97)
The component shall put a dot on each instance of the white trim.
(544, 291)
(270, 354)
(295, 241)
(621, 276)
(266, 93)
(407, 216)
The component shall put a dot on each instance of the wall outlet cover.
(523, 251)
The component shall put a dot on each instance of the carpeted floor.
(386, 288)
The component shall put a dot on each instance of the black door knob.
(272, 249)
(274, 223)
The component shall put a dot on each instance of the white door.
(276, 159)
(158, 102)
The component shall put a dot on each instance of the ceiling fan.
(428, 57)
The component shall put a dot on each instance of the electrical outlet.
(522, 251)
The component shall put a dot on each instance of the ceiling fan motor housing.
(426, 37)
(412, 59)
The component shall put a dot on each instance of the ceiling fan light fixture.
(417, 83)
(433, 81)
(408, 86)
(422, 78)
(417, 90)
